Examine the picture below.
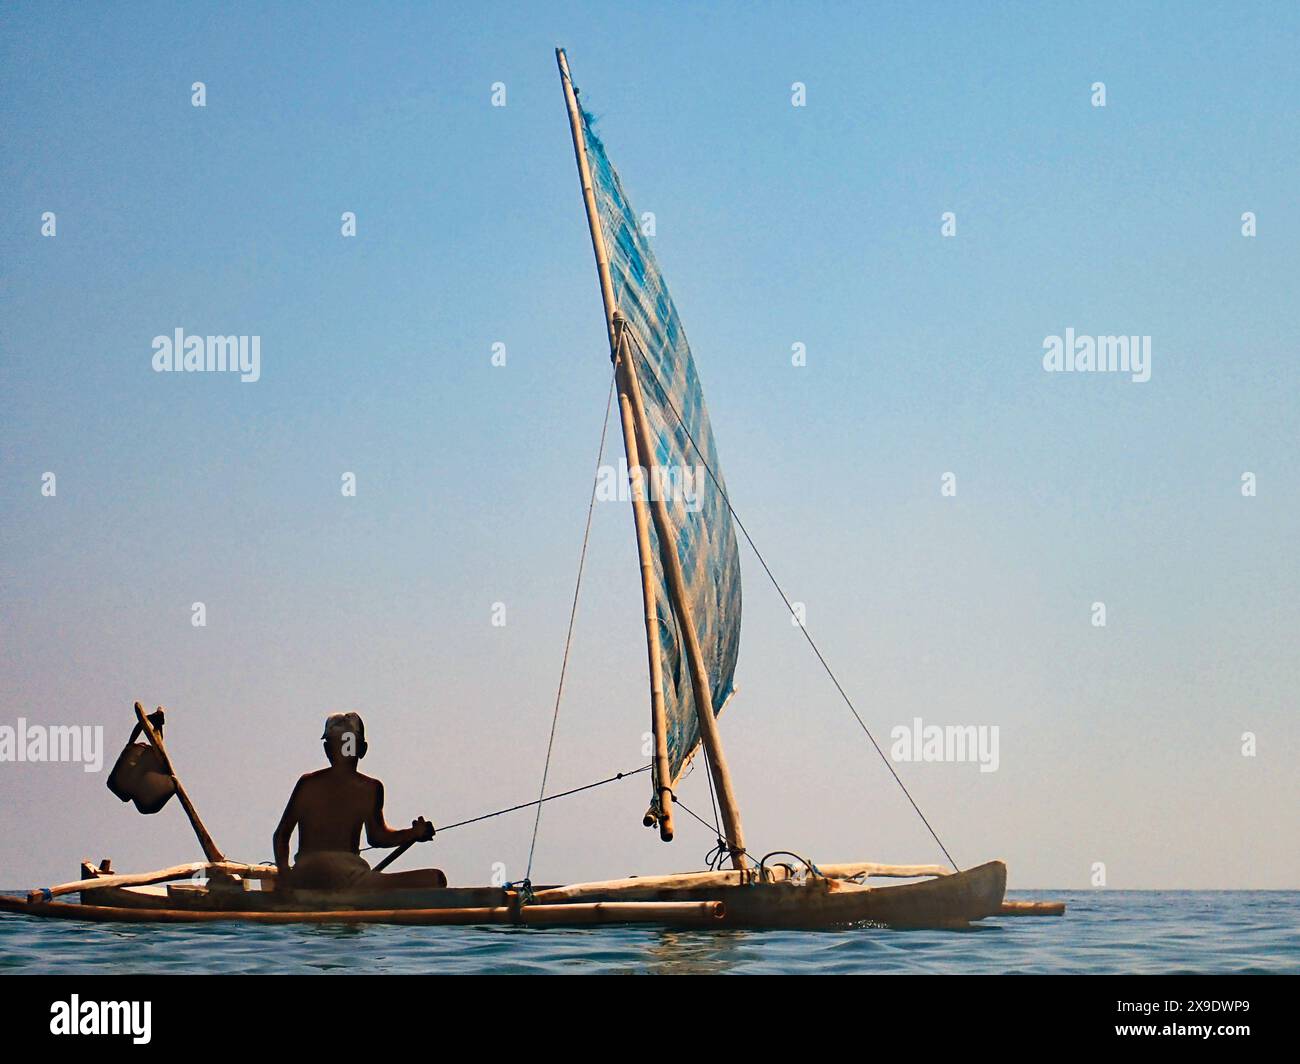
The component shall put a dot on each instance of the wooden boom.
(649, 601)
(703, 697)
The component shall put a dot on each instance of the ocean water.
(1102, 932)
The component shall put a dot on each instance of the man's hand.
(423, 829)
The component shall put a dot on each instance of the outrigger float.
(690, 585)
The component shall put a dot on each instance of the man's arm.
(284, 832)
(378, 833)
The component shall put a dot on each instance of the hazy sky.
(776, 225)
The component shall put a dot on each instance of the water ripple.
(1103, 932)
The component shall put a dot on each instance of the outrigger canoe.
(691, 597)
(832, 896)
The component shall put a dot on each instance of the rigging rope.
(528, 805)
(568, 639)
(549, 798)
(784, 598)
(717, 856)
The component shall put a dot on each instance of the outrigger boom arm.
(210, 850)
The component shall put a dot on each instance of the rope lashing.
(717, 856)
(524, 888)
(812, 868)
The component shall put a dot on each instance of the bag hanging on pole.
(139, 774)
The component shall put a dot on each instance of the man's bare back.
(329, 808)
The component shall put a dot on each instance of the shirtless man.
(329, 808)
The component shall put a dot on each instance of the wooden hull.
(712, 900)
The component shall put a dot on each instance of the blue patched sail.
(704, 542)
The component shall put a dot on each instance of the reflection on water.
(1104, 931)
(712, 953)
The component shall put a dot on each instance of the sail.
(703, 538)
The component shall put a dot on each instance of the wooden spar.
(640, 515)
(588, 196)
(854, 869)
(210, 850)
(613, 888)
(776, 873)
(163, 875)
(703, 697)
(663, 526)
(680, 913)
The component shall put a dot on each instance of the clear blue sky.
(775, 225)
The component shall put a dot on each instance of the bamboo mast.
(640, 442)
(640, 515)
(709, 734)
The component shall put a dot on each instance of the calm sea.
(1102, 932)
